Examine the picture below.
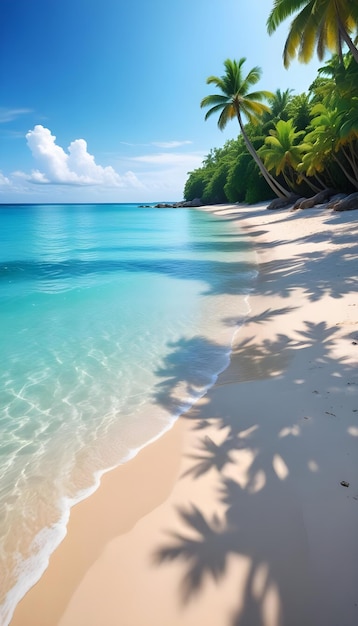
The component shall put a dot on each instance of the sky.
(100, 99)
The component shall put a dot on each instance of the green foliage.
(236, 183)
(195, 184)
(234, 98)
(257, 189)
(308, 141)
(214, 192)
(299, 110)
(320, 24)
(235, 101)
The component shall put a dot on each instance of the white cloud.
(8, 115)
(72, 174)
(170, 144)
(164, 174)
(158, 144)
(4, 181)
(172, 158)
(75, 167)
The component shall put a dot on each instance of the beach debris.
(344, 483)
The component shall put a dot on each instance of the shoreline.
(248, 481)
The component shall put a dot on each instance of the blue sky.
(100, 99)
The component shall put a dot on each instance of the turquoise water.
(114, 319)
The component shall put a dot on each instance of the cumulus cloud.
(74, 167)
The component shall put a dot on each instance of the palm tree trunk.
(346, 38)
(345, 172)
(321, 182)
(353, 159)
(353, 146)
(311, 185)
(350, 159)
(290, 178)
(280, 191)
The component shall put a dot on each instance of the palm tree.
(279, 103)
(299, 109)
(313, 164)
(320, 23)
(282, 152)
(334, 134)
(236, 101)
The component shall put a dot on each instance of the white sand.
(237, 517)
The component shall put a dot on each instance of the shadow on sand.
(260, 463)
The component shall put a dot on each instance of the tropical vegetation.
(324, 24)
(288, 143)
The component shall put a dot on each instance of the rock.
(282, 203)
(193, 203)
(349, 203)
(334, 200)
(320, 198)
(297, 204)
(196, 202)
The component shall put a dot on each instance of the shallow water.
(113, 320)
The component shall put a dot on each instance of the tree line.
(288, 144)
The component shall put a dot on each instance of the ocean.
(114, 320)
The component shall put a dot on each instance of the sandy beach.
(246, 512)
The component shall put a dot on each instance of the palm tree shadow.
(189, 365)
(212, 455)
(261, 520)
(204, 554)
(186, 370)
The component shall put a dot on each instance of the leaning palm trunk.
(280, 191)
(352, 180)
(351, 158)
(311, 185)
(346, 38)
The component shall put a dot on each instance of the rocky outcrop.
(177, 205)
(297, 204)
(320, 198)
(349, 203)
(334, 200)
(282, 203)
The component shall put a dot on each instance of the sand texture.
(237, 516)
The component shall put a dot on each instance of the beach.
(245, 513)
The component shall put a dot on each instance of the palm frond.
(281, 10)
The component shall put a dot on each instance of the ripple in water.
(113, 320)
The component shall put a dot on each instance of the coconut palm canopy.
(320, 24)
(236, 100)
